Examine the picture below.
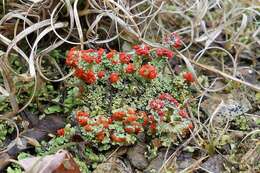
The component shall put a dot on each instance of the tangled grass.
(219, 38)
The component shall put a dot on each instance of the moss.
(242, 123)
(5, 130)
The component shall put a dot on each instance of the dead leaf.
(156, 143)
(4, 160)
(61, 162)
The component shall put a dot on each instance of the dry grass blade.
(254, 87)
(76, 17)
(4, 92)
(225, 32)
(194, 166)
(7, 42)
(22, 35)
(15, 14)
(9, 84)
(249, 134)
(33, 52)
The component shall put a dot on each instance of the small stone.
(136, 155)
(157, 162)
(184, 161)
(141, 137)
(114, 165)
(235, 104)
(214, 164)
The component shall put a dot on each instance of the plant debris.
(129, 86)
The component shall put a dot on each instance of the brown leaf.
(4, 160)
(61, 162)
(156, 143)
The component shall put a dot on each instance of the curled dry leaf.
(61, 162)
(4, 160)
